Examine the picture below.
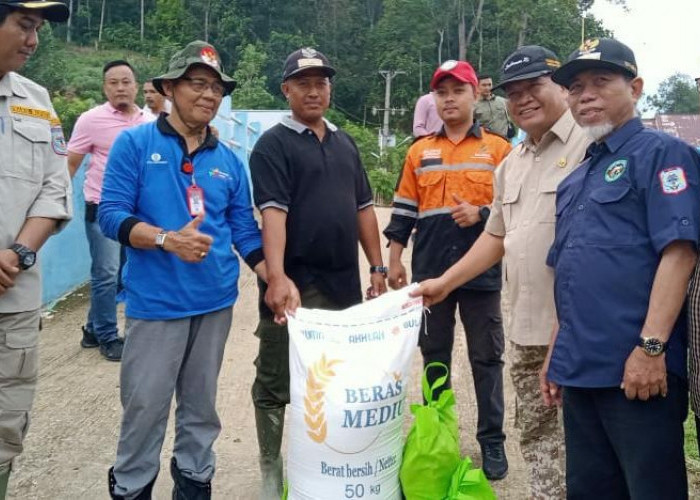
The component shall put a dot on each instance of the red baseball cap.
(461, 70)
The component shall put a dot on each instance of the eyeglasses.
(200, 86)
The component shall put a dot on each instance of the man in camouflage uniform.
(520, 229)
(34, 202)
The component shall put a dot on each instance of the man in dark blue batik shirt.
(626, 240)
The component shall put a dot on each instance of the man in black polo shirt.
(316, 203)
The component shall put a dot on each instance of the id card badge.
(195, 200)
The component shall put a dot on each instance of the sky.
(664, 35)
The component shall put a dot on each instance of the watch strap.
(23, 252)
(379, 269)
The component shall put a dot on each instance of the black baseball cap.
(303, 59)
(529, 61)
(56, 12)
(597, 53)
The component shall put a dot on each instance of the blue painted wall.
(65, 258)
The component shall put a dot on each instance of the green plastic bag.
(431, 453)
(469, 484)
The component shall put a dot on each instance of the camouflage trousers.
(541, 432)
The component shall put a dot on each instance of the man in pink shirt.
(426, 120)
(93, 134)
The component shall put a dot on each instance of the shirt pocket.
(473, 186)
(612, 218)
(511, 195)
(546, 196)
(431, 190)
(30, 145)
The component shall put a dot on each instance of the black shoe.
(188, 489)
(89, 340)
(494, 461)
(112, 350)
(146, 492)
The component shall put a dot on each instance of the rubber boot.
(270, 426)
(186, 488)
(4, 478)
(145, 494)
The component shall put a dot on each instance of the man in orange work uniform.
(444, 192)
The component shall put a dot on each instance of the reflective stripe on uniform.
(405, 201)
(405, 213)
(455, 167)
(434, 211)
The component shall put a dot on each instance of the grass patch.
(692, 458)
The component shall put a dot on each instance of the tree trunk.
(207, 11)
(442, 38)
(143, 24)
(461, 32)
(476, 22)
(523, 30)
(69, 23)
(102, 20)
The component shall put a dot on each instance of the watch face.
(653, 346)
(29, 259)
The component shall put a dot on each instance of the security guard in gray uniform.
(34, 201)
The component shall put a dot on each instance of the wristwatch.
(27, 256)
(652, 346)
(160, 240)
(379, 269)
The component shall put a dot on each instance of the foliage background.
(254, 36)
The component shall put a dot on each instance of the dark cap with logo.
(305, 59)
(194, 53)
(597, 53)
(529, 61)
(461, 70)
(56, 12)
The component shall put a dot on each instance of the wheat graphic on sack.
(317, 378)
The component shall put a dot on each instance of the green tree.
(677, 94)
(250, 92)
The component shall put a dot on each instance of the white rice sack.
(349, 373)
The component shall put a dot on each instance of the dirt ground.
(75, 421)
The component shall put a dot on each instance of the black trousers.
(622, 449)
(480, 312)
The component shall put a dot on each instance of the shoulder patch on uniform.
(58, 142)
(44, 114)
(673, 180)
(615, 170)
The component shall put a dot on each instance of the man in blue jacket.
(178, 199)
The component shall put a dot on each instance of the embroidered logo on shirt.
(58, 142)
(615, 170)
(218, 174)
(156, 159)
(431, 153)
(483, 153)
(673, 180)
